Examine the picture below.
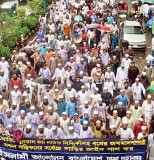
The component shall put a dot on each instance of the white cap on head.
(99, 99)
(115, 111)
(28, 75)
(85, 122)
(32, 107)
(9, 126)
(1, 96)
(148, 62)
(143, 127)
(83, 86)
(105, 88)
(86, 102)
(72, 96)
(86, 112)
(68, 85)
(120, 103)
(28, 63)
(8, 110)
(81, 72)
(149, 96)
(3, 57)
(137, 79)
(45, 97)
(15, 87)
(40, 126)
(126, 55)
(98, 65)
(64, 113)
(128, 112)
(89, 78)
(56, 90)
(136, 101)
(70, 128)
(95, 112)
(14, 103)
(60, 97)
(112, 126)
(125, 122)
(121, 90)
(49, 108)
(98, 121)
(141, 119)
(22, 111)
(143, 73)
(28, 126)
(54, 127)
(41, 113)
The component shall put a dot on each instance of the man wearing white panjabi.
(109, 84)
(121, 75)
(4, 65)
(71, 134)
(42, 132)
(102, 46)
(126, 61)
(151, 146)
(85, 131)
(137, 89)
(15, 95)
(110, 74)
(148, 109)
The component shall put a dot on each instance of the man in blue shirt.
(122, 98)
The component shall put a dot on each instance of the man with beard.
(29, 132)
(8, 131)
(71, 134)
(76, 83)
(42, 132)
(90, 65)
(106, 97)
(21, 121)
(30, 70)
(7, 118)
(124, 132)
(144, 79)
(127, 90)
(15, 70)
(5, 93)
(110, 133)
(3, 79)
(15, 109)
(71, 52)
(38, 65)
(133, 72)
(59, 84)
(85, 131)
(56, 133)
(15, 81)
(45, 72)
(68, 92)
(3, 104)
(149, 70)
(75, 122)
(98, 130)
(25, 105)
(137, 111)
(51, 118)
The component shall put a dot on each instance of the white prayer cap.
(98, 121)
(108, 77)
(103, 40)
(121, 90)
(72, 96)
(45, 97)
(40, 126)
(89, 78)
(49, 108)
(8, 110)
(9, 126)
(143, 127)
(148, 62)
(112, 126)
(129, 46)
(3, 57)
(81, 59)
(99, 99)
(86, 102)
(71, 57)
(105, 88)
(98, 74)
(70, 128)
(32, 107)
(85, 112)
(117, 46)
(128, 112)
(83, 86)
(59, 64)
(64, 113)
(60, 96)
(15, 87)
(136, 101)
(137, 79)
(114, 22)
(149, 96)
(98, 65)
(54, 127)
(1, 70)
(141, 119)
(115, 112)
(28, 63)
(41, 113)
(120, 103)
(56, 90)
(14, 103)
(143, 73)
(26, 100)
(125, 122)
(28, 75)
(1, 96)
(76, 114)
(68, 85)
(96, 89)
(28, 126)
(126, 55)
(95, 112)
(85, 122)
(81, 72)
(22, 111)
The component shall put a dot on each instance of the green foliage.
(5, 51)
(24, 30)
(30, 22)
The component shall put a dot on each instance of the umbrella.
(41, 80)
(94, 25)
(151, 88)
(104, 28)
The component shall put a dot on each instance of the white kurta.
(110, 86)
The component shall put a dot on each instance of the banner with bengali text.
(85, 149)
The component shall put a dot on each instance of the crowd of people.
(96, 89)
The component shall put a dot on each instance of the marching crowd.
(92, 89)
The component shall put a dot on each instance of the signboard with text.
(85, 149)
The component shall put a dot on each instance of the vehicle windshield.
(133, 30)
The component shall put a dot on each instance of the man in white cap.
(15, 109)
(143, 134)
(3, 79)
(33, 117)
(85, 131)
(30, 70)
(129, 119)
(15, 95)
(82, 95)
(56, 133)
(64, 122)
(3, 104)
(110, 74)
(21, 121)
(90, 85)
(81, 66)
(151, 146)
(109, 84)
(136, 111)
(29, 132)
(83, 77)
(71, 134)
(148, 109)
(28, 81)
(75, 122)
(4, 65)
(126, 61)
(68, 92)
(42, 132)
(41, 118)
(95, 96)
(124, 131)
(70, 63)
(44, 72)
(149, 70)
(137, 90)
(8, 131)
(144, 79)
